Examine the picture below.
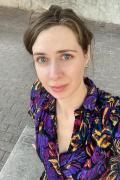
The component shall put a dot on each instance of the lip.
(59, 88)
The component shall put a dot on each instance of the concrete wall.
(98, 10)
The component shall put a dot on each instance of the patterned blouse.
(94, 149)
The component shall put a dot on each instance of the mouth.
(59, 88)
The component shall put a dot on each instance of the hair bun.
(55, 10)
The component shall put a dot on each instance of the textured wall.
(99, 10)
(9, 3)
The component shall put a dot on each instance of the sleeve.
(115, 159)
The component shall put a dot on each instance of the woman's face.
(59, 60)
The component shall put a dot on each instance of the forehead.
(55, 38)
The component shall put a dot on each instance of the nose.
(54, 70)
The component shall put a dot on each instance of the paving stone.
(3, 126)
(6, 146)
(1, 165)
(1, 154)
(14, 139)
(14, 130)
(6, 136)
(12, 120)
(5, 157)
(2, 134)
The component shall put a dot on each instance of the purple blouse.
(94, 149)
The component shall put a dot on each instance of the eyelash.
(70, 57)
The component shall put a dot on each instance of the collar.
(47, 102)
(92, 95)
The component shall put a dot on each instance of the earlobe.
(86, 66)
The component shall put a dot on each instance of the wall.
(98, 10)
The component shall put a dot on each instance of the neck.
(68, 105)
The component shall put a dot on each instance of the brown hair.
(55, 15)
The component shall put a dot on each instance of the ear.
(87, 55)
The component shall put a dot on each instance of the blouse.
(94, 149)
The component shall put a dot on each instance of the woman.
(77, 125)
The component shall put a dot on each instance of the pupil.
(42, 59)
(66, 56)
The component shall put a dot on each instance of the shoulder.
(36, 88)
(35, 94)
(40, 100)
(111, 121)
(106, 99)
(107, 119)
(109, 103)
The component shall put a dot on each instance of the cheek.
(40, 73)
(77, 68)
(37, 69)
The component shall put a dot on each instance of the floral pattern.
(94, 150)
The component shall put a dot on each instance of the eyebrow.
(58, 52)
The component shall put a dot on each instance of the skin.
(60, 60)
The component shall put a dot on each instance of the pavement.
(26, 164)
(17, 73)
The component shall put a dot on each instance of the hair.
(56, 15)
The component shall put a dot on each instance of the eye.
(67, 56)
(41, 59)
